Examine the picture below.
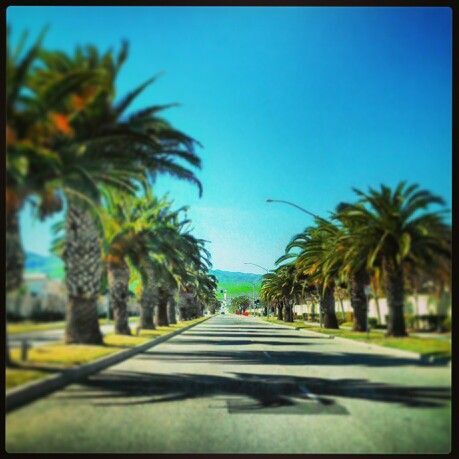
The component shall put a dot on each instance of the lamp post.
(254, 264)
(294, 205)
(253, 283)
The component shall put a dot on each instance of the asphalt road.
(38, 338)
(238, 385)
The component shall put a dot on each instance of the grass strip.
(50, 358)
(30, 326)
(18, 376)
(424, 346)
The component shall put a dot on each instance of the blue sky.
(300, 104)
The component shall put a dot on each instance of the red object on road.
(246, 313)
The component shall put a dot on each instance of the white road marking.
(308, 393)
(264, 352)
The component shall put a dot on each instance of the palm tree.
(31, 161)
(393, 228)
(352, 269)
(191, 272)
(101, 146)
(319, 262)
(282, 287)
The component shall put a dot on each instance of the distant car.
(222, 312)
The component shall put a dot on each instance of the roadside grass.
(64, 355)
(30, 326)
(18, 376)
(56, 356)
(424, 346)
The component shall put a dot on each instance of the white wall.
(422, 307)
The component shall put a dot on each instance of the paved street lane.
(235, 384)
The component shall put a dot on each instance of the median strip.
(63, 376)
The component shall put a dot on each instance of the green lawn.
(29, 326)
(425, 346)
(18, 376)
(57, 356)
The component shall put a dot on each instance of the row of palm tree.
(387, 241)
(73, 146)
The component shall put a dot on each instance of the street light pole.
(253, 284)
(253, 264)
(294, 205)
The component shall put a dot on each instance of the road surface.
(238, 385)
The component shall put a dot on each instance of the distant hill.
(234, 282)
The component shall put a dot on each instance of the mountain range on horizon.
(235, 283)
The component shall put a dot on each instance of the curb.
(427, 359)
(26, 393)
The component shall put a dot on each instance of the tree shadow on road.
(260, 391)
(237, 342)
(254, 335)
(294, 358)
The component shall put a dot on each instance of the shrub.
(410, 320)
(13, 317)
(372, 322)
(348, 317)
(446, 324)
(47, 316)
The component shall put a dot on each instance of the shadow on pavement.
(238, 342)
(258, 391)
(252, 335)
(286, 358)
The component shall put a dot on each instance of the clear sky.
(296, 103)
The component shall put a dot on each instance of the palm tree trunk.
(83, 267)
(280, 314)
(147, 302)
(378, 309)
(394, 281)
(288, 316)
(183, 306)
(147, 299)
(161, 309)
(171, 309)
(14, 256)
(327, 305)
(8, 361)
(342, 308)
(359, 301)
(118, 282)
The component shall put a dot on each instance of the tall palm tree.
(352, 270)
(282, 287)
(394, 228)
(318, 261)
(102, 146)
(31, 160)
